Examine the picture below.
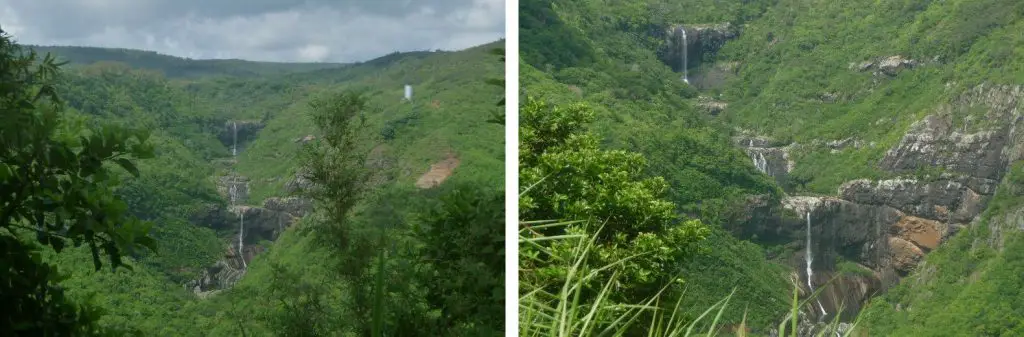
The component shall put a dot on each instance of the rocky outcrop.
(260, 223)
(888, 226)
(294, 206)
(943, 200)
(233, 187)
(701, 39)
(239, 132)
(772, 161)
(711, 106)
(300, 181)
(890, 66)
(932, 142)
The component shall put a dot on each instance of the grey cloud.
(286, 30)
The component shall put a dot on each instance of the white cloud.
(271, 30)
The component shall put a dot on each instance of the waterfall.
(682, 32)
(233, 193)
(760, 162)
(809, 257)
(234, 139)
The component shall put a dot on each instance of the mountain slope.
(891, 127)
(196, 191)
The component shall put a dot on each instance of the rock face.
(888, 226)
(260, 223)
(294, 206)
(711, 106)
(890, 66)
(701, 39)
(234, 188)
(239, 132)
(772, 161)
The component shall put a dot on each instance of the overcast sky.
(263, 30)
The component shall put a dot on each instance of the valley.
(888, 134)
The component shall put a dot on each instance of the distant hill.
(177, 67)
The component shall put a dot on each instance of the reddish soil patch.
(924, 233)
(439, 171)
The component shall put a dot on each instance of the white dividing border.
(512, 168)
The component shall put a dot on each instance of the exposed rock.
(983, 155)
(904, 254)
(701, 39)
(932, 143)
(234, 188)
(214, 278)
(303, 140)
(772, 161)
(829, 97)
(924, 233)
(239, 132)
(841, 144)
(294, 206)
(710, 105)
(863, 66)
(213, 216)
(943, 200)
(848, 291)
(299, 182)
(892, 65)
(260, 223)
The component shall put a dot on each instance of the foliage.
(57, 183)
(639, 106)
(569, 177)
(295, 287)
(465, 236)
(566, 311)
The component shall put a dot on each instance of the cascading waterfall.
(233, 192)
(809, 258)
(682, 32)
(760, 162)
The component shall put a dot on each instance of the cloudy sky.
(264, 30)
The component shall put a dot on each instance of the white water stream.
(686, 78)
(809, 258)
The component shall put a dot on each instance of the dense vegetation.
(375, 257)
(790, 75)
(638, 105)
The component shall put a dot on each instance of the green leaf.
(128, 166)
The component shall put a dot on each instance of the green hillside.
(840, 91)
(303, 280)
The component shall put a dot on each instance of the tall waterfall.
(682, 32)
(241, 230)
(234, 139)
(809, 258)
(233, 193)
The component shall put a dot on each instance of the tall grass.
(562, 310)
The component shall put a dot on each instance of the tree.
(566, 176)
(463, 244)
(55, 182)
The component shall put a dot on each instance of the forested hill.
(248, 154)
(889, 129)
(172, 66)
